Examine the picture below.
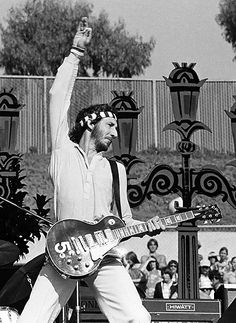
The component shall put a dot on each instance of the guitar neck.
(140, 228)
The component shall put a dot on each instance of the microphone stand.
(25, 210)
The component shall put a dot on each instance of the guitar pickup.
(77, 245)
(100, 237)
(90, 241)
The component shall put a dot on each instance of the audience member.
(229, 276)
(200, 256)
(219, 290)
(222, 263)
(204, 273)
(166, 289)
(212, 257)
(132, 264)
(205, 290)
(152, 246)
(153, 274)
(173, 266)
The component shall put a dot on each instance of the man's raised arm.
(60, 93)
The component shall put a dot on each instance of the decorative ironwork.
(8, 168)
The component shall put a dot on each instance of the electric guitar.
(76, 248)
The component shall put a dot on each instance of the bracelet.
(76, 53)
(78, 50)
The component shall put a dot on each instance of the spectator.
(222, 263)
(204, 273)
(173, 266)
(200, 256)
(153, 274)
(152, 246)
(132, 264)
(219, 290)
(166, 289)
(213, 259)
(205, 290)
(229, 277)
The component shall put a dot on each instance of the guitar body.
(76, 248)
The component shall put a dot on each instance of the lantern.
(128, 113)
(9, 119)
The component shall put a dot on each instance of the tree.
(227, 20)
(38, 35)
(113, 52)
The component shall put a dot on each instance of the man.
(82, 181)
(152, 246)
(219, 289)
(166, 289)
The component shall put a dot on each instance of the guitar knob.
(79, 258)
(87, 264)
(76, 267)
(69, 261)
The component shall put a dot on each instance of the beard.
(97, 135)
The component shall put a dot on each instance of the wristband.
(78, 50)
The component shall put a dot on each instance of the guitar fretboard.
(136, 229)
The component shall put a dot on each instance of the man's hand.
(83, 35)
(155, 225)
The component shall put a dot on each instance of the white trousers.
(113, 290)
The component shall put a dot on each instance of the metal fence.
(153, 95)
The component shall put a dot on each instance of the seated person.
(204, 273)
(223, 262)
(229, 276)
(212, 257)
(173, 266)
(132, 264)
(166, 289)
(153, 274)
(205, 290)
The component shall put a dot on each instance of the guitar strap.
(116, 185)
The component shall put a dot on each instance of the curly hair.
(77, 130)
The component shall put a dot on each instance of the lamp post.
(185, 181)
(9, 120)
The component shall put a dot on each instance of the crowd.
(156, 278)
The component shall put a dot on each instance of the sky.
(184, 30)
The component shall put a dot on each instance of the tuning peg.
(205, 222)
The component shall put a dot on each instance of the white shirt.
(81, 190)
(166, 289)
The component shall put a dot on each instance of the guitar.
(76, 248)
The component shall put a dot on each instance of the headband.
(97, 115)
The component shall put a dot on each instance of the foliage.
(16, 225)
(38, 36)
(114, 53)
(227, 20)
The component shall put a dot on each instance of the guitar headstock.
(208, 213)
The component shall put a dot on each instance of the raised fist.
(83, 34)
